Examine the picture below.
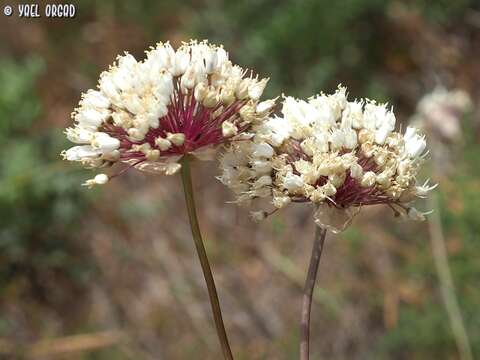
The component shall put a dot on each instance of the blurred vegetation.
(432, 336)
(48, 222)
(41, 204)
(309, 46)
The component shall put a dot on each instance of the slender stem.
(202, 255)
(308, 292)
(447, 287)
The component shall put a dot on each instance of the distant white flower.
(441, 112)
(150, 113)
(339, 155)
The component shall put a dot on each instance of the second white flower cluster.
(328, 151)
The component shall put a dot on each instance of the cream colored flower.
(150, 113)
(337, 154)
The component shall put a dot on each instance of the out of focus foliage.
(40, 202)
(304, 46)
(459, 208)
(309, 46)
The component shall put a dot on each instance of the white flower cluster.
(328, 151)
(150, 113)
(441, 112)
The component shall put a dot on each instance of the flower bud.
(365, 135)
(152, 155)
(280, 201)
(200, 91)
(101, 179)
(163, 144)
(368, 179)
(255, 89)
(247, 112)
(176, 139)
(293, 182)
(229, 129)
(227, 95)
(181, 61)
(263, 150)
(242, 88)
(104, 142)
(95, 99)
(264, 107)
(356, 171)
(211, 98)
(187, 81)
(79, 135)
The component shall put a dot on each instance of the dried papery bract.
(148, 114)
(156, 114)
(337, 154)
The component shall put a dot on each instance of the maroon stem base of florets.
(351, 193)
(200, 125)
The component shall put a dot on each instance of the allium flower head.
(335, 153)
(150, 113)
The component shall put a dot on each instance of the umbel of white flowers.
(149, 114)
(338, 154)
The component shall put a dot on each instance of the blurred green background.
(112, 274)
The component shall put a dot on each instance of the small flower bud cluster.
(328, 151)
(150, 113)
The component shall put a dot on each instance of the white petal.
(293, 182)
(105, 142)
(262, 150)
(79, 135)
(95, 99)
(91, 117)
(78, 153)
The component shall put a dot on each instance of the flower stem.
(202, 255)
(447, 287)
(320, 234)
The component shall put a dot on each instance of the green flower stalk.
(157, 114)
(202, 256)
(337, 154)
